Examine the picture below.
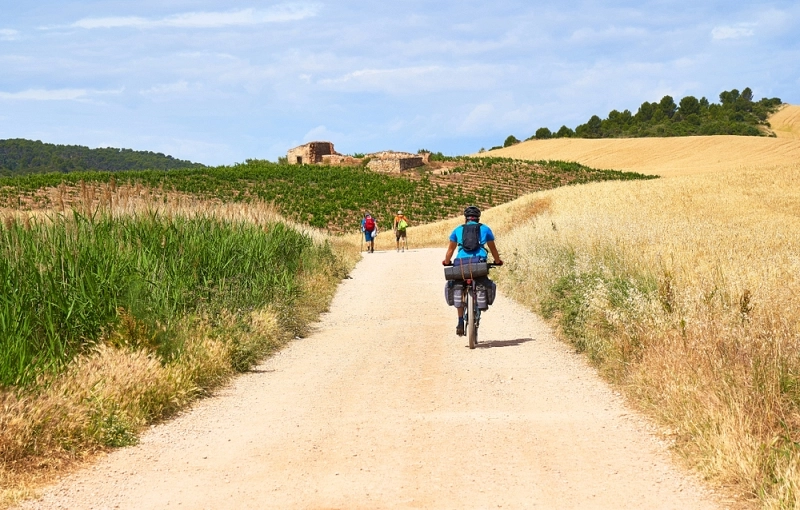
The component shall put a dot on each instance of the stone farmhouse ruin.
(310, 153)
(314, 153)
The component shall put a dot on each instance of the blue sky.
(221, 82)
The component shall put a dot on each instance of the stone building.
(323, 153)
(393, 162)
(310, 153)
(339, 160)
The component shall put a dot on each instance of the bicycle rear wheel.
(472, 325)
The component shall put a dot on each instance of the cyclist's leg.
(460, 309)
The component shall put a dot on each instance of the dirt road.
(384, 407)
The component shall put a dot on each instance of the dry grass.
(129, 200)
(106, 396)
(685, 292)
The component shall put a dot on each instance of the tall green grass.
(67, 282)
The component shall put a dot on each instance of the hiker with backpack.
(399, 226)
(370, 228)
(471, 239)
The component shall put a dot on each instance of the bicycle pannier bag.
(480, 297)
(491, 292)
(448, 293)
(471, 237)
(458, 295)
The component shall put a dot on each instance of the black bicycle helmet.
(472, 212)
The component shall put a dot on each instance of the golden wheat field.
(786, 122)
(673, 156)
(684, 291)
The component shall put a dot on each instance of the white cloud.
(55, 94)
(45, 95)
(502, 112)
(480, 115)
(8, 34)
(168, 88)
(413, 80)
(608, 34)
(321, 133)
(733, 32)
(243, 17)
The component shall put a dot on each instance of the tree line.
(735, 114)
(20, 157)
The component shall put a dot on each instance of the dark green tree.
(736, 114)
(728, 97)
(565, 132)
(646, 112)
(591, 129)
(543, 133)
(511, 140)
(689, 106)
(667, 106)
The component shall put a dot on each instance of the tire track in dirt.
(384, 407)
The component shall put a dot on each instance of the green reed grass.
(66, 282)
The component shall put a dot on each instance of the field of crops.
(333, 198)
(683, 291)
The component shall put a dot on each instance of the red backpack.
(369, 224)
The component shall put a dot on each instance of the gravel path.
(384, 407)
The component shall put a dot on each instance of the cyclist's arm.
(495, 253)
(451, 248)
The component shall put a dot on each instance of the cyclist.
(472, 215)
(399, 226)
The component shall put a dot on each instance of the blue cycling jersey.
(486, 236)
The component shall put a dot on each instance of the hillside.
(20, 157)
(672, 156)
(737, 113)
(334, 198)
(785, 123)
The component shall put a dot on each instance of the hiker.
(370, 228)
(399, 226)
(472, 238)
